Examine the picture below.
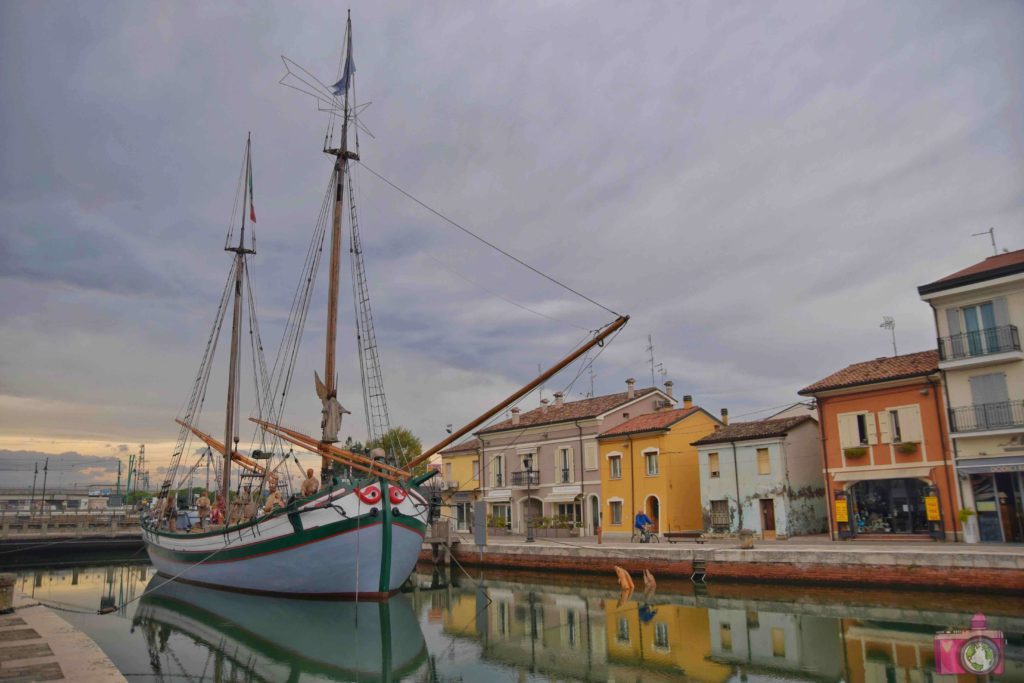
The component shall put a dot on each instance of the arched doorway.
(529, 508)
(593, 514)
(652, 506)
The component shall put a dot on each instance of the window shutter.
(572, 464)
(590, 456)
(869, 421)
(848, 431)
(999, 312)
(910, 423)
(989, 389)
(885, 427)
(956, 346)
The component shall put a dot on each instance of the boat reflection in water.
(251, 637)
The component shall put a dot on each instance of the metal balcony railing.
(985, 416)
(499, 480)
(526, 478)
(564, 476)
(979, 343)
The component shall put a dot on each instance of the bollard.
(7, 593)
(599, 535)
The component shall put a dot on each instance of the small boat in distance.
(360, 534)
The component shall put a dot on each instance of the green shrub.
(856, 452)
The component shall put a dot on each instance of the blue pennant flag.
(341, 86)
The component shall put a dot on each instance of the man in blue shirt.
(642, 522)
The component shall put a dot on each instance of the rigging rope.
(484, 241)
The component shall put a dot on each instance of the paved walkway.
(37, 645)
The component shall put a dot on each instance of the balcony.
(564, 476)
(526, 478)
(980, 347)
(987, 417)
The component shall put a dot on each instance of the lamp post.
(529, 490)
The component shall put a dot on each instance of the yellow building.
(647, 463)
(460, 482)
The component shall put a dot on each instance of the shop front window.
(890, 506)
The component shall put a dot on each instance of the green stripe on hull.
(385, 550)
(289, 540)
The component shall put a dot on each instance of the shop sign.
(931, 508)
(842, 511)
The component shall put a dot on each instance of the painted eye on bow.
(369, 495)
(397, 495)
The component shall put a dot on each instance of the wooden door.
(768, 518)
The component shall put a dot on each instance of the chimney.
(630, 383)
(725, 416)
(559, 399)
(515, 416)
(687, 401)
(668, 388)
(543, 405)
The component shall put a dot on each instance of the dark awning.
(999, 463)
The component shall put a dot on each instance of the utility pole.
(119, 476)
(46, 469)
(32, 500)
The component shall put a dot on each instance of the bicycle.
(644, 536)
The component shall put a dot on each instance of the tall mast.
(329, 391)
(230, 437)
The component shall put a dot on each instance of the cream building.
(978, 315)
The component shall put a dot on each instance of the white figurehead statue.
(332, 411)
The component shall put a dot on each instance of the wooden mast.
(598, 339)
(230, 437)
(342, 156)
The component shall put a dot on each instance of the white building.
(978, 314)
(765, 476)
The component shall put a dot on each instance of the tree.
(402, 445)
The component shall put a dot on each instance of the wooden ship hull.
(335, 545)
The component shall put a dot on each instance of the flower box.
(907, 447)
(856, 452)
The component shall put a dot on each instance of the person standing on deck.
(273, 500)
(203, 507)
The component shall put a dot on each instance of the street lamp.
(528, 462)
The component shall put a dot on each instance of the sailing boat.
(360, 535)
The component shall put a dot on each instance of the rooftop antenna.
(650, 351)
(590, 373)
(889, 323)
(991, 232)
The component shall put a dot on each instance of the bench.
(676, 536)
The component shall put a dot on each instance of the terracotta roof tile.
(745, 431)
(570, 410)
(651, 421)
(466, 446)
(878, 370)
(992, 267)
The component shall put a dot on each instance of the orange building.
(888, 470)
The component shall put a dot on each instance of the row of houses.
(927, 444)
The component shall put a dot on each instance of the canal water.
(518, 627)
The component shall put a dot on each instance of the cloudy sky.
(756, 184)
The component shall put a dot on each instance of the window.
(476, 470)
(720, 514)
(778, 642)
(862, 429)
(894, 426)
(590, 456)
(661, 636)
(616, 508)
(571, 628)
(651, 460)
(563, 466)
(503, 512)
(615, 465)
(570, 511)
(448, 470)
(498, 471)
(622, 631)
(725, 635)
(764, 463)
(713, 466)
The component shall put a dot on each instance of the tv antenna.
(991, 232)
(889, 323)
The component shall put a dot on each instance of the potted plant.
(746, 537)
(855, 452)
(907, 447)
